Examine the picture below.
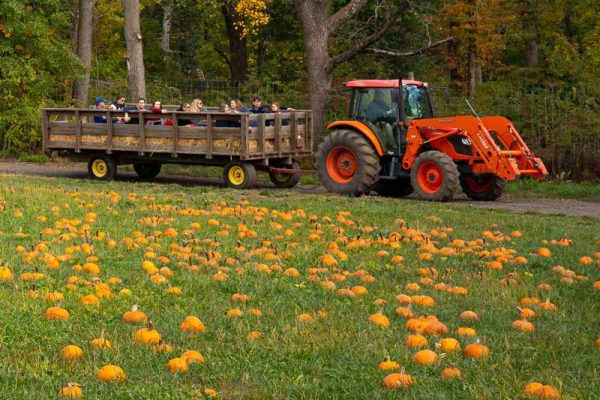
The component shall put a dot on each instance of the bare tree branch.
(344, 14)
(342, 57)
(415, 52)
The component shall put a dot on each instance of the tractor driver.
(381, 119)
(378, 109)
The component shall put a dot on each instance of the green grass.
(555, 189)
(333, 357)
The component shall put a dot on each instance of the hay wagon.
(242, 143)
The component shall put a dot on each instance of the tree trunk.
(135, 55)
(84, 51)
(238, 62)
(532, 52)
(320, 73)
(472, 72)
(166, 25)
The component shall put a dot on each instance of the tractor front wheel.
(347, 163)
(434, 176)
(484, 187)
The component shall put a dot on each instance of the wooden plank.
(175, 135)
(244, 137)
(77, 132)
(142, 134)
(45, 130)
(109, 134)
(277, 144)
(293, 134)
(261, 134)
(209, 134)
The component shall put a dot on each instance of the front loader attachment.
(495, 145)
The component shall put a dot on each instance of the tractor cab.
(375, 104)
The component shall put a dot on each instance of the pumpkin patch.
(164, 291)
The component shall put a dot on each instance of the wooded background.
(535, 61)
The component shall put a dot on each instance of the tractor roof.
(380, 83)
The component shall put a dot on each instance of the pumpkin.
(192, 324)
(71, 391)
(71, 352)
(523, 325)
(548, 392)
(111, 373)
(89, 300)
(532, 388)
(305, 317)
(404, 299)
(548, 306)
(436, 328)
(449, 345)
(387, 365)
(597, 343)
(147, 335)
(134, 316)
(413, 341)
(469, 316)
(544, 252)
(380, 320)
(255, 335)
(466, 331)
(5, 274)
(397, 380)
(57, 313)
(476, 350)
(102, 342)
(162, 347)
(405, 312)
(177, 365)
(193, 357)
(451, 372)
(526, 313)
(425, 357)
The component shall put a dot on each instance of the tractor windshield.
(416, 102)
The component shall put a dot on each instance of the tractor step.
(512, 153)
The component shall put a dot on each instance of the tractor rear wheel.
(484, 187)
(394, 188)
(147, 170)
(434, 176)
(347, 163)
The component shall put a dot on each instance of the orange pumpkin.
(380, 320)
(425, 357)
(413, 341)
(177, 365)
(397, 380)
(71, 391)
(449, 345)
(387, 365)
(134, 316)
(192, 324)
(147, 335)
(57, 313)
(193, 357)
(451, 372)
(111, 373)
(71, 352)
(476, 350)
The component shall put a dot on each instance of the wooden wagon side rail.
(246, 136)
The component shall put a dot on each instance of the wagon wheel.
(285, 181)
(484, 187)
(147, 170)
(347, 163)
(239, 175)
(102, 167)
(434, 176)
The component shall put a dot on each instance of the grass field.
(286, 285)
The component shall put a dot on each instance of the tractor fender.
(361, 128)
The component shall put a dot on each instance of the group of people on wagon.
(195, 106)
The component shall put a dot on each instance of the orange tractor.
(391, 143)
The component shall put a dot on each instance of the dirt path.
(576, 208)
